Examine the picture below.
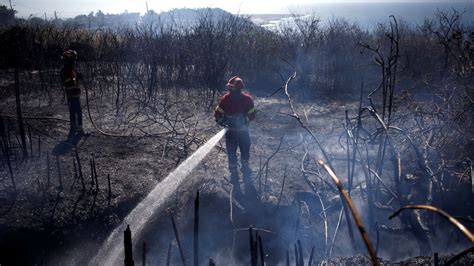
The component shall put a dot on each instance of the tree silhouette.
(7, 15)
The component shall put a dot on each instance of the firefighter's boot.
(71, 134)
(80, 131)
(245, 169)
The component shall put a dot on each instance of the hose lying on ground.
(92, 120)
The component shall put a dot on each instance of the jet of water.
(111, 251)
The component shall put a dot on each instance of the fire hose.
(92, 120)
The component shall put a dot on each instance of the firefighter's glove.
(222, 122)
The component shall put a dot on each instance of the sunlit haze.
(72, 8)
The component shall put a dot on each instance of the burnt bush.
(329, 56)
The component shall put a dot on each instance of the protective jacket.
(235, 110)
(69, 79)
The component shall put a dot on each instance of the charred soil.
(64, 204)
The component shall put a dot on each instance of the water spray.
(111, 251)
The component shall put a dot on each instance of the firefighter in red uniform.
(69, 78)
(235, 110)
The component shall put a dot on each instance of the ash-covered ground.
(61, 212)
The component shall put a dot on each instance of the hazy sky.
(70, 8)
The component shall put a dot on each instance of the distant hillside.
(182, 16)
(188, 16)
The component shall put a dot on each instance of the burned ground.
(66, 225)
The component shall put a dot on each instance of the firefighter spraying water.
(234, 111)
(110, 252)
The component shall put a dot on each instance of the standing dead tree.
(387, 59)
(295, 115)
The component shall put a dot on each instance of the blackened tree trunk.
(127, 241)
(18, 112)
(196, 230)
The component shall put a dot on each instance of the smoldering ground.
(300, 216)
(295, 214)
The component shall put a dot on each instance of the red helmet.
(69, 56)
(235, 82)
